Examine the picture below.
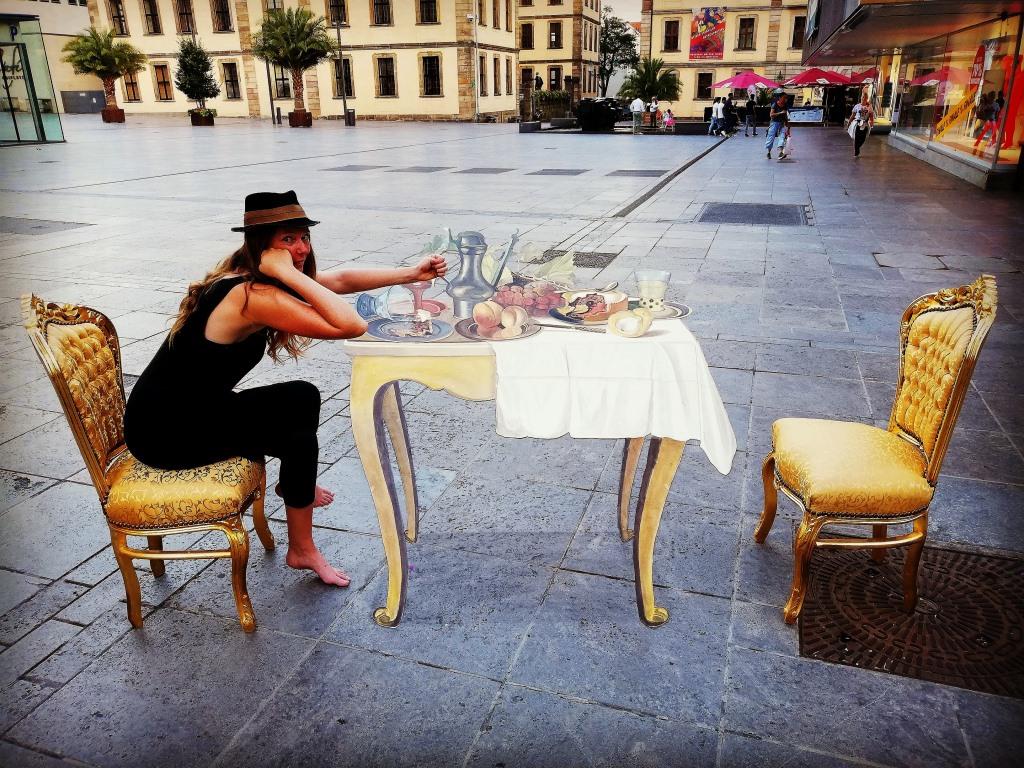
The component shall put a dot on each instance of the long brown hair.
(246, 262)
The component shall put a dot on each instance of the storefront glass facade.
(28, 109)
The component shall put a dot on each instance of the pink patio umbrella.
(867, 76)
(746, 79)
(815, 76)
(944, 75)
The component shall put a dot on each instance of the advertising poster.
(707, 34)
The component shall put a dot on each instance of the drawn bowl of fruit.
(590, 306)
(492, 322)
(537, 297)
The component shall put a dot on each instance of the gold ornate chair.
(845, 473)
(80, 351)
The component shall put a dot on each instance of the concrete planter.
(563, 122)
(300, 119)
(200, 120)
(529, 126)
(112, 115)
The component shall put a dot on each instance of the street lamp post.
(341, 70)
(476, 70)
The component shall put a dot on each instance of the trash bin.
(350, 117)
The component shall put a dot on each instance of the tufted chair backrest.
(941, 335)
(79, 348)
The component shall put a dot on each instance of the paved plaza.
(520, 643)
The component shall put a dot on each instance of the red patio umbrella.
(815, 76)
(867, 76)
(944, 75)
(745, 80)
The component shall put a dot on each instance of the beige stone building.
(559, 39)
(402, 59)
(704, 48)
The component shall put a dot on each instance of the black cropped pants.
(278, 420)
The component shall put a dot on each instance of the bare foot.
(316, 562)
(321, 497)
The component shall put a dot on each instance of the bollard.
(279, 116)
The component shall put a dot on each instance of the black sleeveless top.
(190, 378)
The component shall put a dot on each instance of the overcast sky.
(625, 9)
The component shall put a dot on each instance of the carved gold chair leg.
(879, 533)
(394, 419)
(238, 543)
(771, 499)
(912, 562)
(259, 517)
(119, 543)
(156, 543)
(803, 548)
(630, 458)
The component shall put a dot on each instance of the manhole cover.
(559, 172)
(421, 169)
(486, 170)
(967, 630)
(641, 172)
(355, 168)
(773, 214)
(585, 259)
(13, 225)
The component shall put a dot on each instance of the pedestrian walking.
(713, 127)
(636, 108)
(779, 117)
(653, 109)
(729, 112)
(670, 120)
(750, 119)
(861, 121)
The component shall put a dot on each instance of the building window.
(555, 79)
(704, 80)
(275, 5)
(554, 34)
(131, 87)
(508, 76)
(343, 77)
(483, 75)
(508, 15)
(496, 15)
(151, 17)
(745, 39)
(386, 76)
(431, 66)
(481, 13)
(526, 2)
(117, 17)
(527, 75)
(526, 34)
(496, 74)
(427, 11)
(337, 13)
(671, 36)
(799, 27)
(282, 82)
(554, 2)
(232, 88)
(162, 76)
(186, 20)
(221, 16)
(382, 15)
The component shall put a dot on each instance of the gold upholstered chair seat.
(824, 464)
(144, 497)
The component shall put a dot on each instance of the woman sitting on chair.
(266, 297)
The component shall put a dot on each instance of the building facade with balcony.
(559, 39)
(704, 45)
(401, 59)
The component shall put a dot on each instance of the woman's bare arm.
(358, 280)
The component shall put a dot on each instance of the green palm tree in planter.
(195, 79)
(648, 81)
(97, 53)
(297, 40)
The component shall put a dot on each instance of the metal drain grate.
(355, 168)
(12, 225)
(773, 214)
(486, 170)
(559, 172)
(641, 172)
(584, 259)
(966, 630)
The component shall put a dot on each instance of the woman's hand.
(276, 262)
(431, 267)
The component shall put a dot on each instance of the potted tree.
(97, 53)
(648, 81)
(195, 79)
(297, 40)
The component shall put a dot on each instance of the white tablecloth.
(603, 386)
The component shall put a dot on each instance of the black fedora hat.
(264, 209)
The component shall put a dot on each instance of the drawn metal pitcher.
(470, 287)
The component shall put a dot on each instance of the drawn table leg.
(394, 420)
(630, 458)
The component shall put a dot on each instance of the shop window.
(799, 26)
(554, 34)
(496, 74)
(282, 82)
(337, 13)
(117, 18)
(151, 17)
(232, 88)
(162, 77)
(131, 87)
(221, 15)
(555, 79)
(745, 37)
(386, 76)
(382, 15)
(427, 10)
(526, 37)
(343, 78)
(671, 36)
(431, 75)
(482, 74)
(184, 17)
(704, 80)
